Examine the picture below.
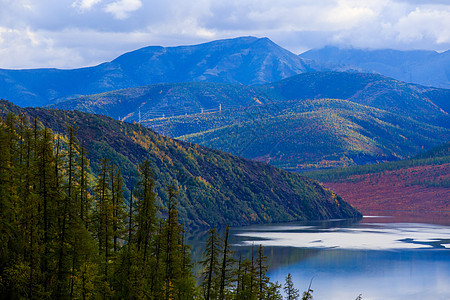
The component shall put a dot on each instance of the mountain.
(165, 100)
(315, 134)
(297, 123)
(428, 68)
(216, 188)
(175, 99)
(245, 60)
(420, 184)
(418, 102)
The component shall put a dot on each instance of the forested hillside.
(215, 188)
(162, 101)
(309, 134)
(68, 234)
(309, 121)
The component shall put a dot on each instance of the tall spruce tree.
(226, 270)
(211, 265)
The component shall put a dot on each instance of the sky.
(78, 33)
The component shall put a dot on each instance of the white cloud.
(85, 4)
(425, 24)
(348, 14)
(94, 31)
(121, 8)
(29, 49)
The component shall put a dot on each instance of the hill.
(314, 134)
(245, 60)
(173, 99)
(165, 100)
(216, 188)
(289, 123)
(418, 66)
(419, 185)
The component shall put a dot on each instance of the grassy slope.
(216, 188)
(419, 184)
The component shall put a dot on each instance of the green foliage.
(291, 124)
(308, 134)
(215, 188)
(55, 246)
(211, 265)
(439, 151)
(289, 289)
(224, 277)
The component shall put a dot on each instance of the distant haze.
(76, 33)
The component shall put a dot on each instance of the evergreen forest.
(66, 233)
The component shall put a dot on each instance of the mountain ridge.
(355, 118)
(423, 67)
(247, 60)
(364, 88)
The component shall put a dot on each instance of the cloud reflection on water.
(366, 237)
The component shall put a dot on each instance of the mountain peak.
(243, 60)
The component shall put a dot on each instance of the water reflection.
(374, 236)
(380, 258)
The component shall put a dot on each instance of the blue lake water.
(378, 257)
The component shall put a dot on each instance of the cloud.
(94, 31)
(425, 24)
(85, 4)
(29, 49)
(121, 8)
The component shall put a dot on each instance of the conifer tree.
(118, 206)
(178, 277)
(211, 265)
(261, 278)
(49, 199)
(102, 222)
(226, 271)
(9, 239)
(146, 218)
(289, 289)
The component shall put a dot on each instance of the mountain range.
(249, 97)
(424, 67)
(311, 120)
(245, 60)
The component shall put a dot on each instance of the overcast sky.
(76, 33)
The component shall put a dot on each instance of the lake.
(379, 257)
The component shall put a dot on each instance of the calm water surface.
(378, 257)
